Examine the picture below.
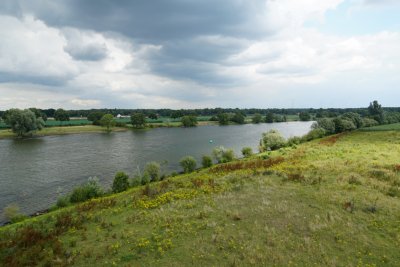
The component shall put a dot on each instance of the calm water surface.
(34, 172)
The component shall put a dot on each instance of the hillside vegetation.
(332, 202)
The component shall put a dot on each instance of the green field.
(387, 127)
(330, 202)
(63, 130)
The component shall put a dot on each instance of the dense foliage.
(23, 122)
(138, 120)
(188, 164)
(120, 182)
(107, 121)
(189, 121)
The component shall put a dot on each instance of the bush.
(188, 164)
(206, 161)
(247, 152)
(145, 178)
(136, 181)
(355, 118)
(189, 121)
(325, 123)
(293, 141)
(87, 191)
(222, 155)
(367, 122)
(238, 118)
(120, 182)
(223, 118)
(314, 134)
(153, 170)
(272, 140)
(257, 118)
(343, 125)
(11, 212)
(63, 201)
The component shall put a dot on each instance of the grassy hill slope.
(332, 202)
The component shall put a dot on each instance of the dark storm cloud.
(177, 25)
(7, 77)
(154, 21)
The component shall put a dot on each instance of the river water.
(34, 172)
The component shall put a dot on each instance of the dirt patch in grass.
(330, 141)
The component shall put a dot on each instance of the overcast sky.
(193, 54)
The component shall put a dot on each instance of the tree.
(120, 183)
(304, 116)
(61, 115)
(23, 122)
(107, 121)
(343, 125)
(325, 123)
(189, 121)
(39, 113)
(153, 116)
(238, 118)
(206, 161)
(223, 118)
(247, 152)
(223, 155)
(87, 191)
(376, 112)
(188, 164)
(269, 118)
(138, 120)
(176, 114)
(256, 118)
(95, 117)
(152, 170)
(353, 117)
(272, 140)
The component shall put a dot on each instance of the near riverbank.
(246, 212)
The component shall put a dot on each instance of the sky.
(175, 54)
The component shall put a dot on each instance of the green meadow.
(329, 202)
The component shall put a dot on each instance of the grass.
(62, 130)
(331, 203)
(387, 127)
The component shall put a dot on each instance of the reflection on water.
(33, 172)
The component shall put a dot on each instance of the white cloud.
(29, 48)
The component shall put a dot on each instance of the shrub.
(314, 134)
(153, 170)
(136, 181)
(87, 191)
(293, 141)
(257, 118)
(188, 164)
(146, 178)
(206, 161)
(238, 118)
(189, 121)
(222, 155)
(272, 140)
(120, 182)
(12, 213)
(355, 118)
(63, 201)
(247, 152)
(223, 118)
(367, 122)
(325, 123)
(343, 125)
